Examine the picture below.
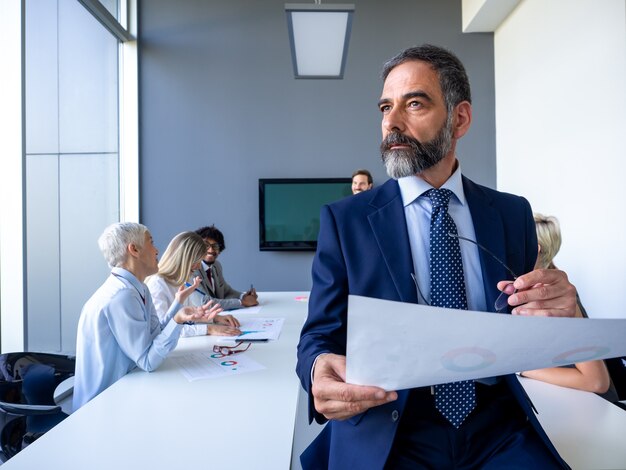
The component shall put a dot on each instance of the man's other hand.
(250, 298)
(336, 399)
(542, 292)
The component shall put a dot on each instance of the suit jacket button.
(394, 415)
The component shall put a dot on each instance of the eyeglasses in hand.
(225, 351)
(502, 302)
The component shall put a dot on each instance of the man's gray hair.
(115, 239)
(452, 75)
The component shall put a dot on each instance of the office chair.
(27, 407)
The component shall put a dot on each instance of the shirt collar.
(128, 276)
(412, 187)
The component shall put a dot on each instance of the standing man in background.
(361, 181)
(377, 244)
(213, 285)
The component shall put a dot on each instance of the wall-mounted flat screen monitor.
(289, 210)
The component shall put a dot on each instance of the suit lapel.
(388, 223)
(489, 233)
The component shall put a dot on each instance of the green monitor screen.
(289, 210)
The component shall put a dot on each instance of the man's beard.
(419, 156)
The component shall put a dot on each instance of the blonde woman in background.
(591, 376)
(182, 256)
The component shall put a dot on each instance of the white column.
(12, 256)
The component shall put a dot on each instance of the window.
(78, 164)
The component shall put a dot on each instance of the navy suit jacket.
(363, 249)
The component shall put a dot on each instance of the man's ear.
(462, 119)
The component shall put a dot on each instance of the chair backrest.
(617, 371)
(11, 392)
(12, 365)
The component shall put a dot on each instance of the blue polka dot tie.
(447, 289)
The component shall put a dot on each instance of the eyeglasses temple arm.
(419, 291)
(486, 250)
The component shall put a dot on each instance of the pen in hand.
(249, 298)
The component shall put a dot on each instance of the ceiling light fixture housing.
(319, 36)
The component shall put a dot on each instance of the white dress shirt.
(118, 330)
(417, 209)
(163, 295)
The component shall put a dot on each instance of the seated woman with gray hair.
(591, 376)
(118, 328)
(181, 258)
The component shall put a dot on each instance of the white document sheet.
(257, 329)
(397, 345)
(208, 365)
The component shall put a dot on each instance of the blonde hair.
(185, 250)
(549, 239)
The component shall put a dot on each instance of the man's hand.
(202, 314)
(336, 399)
(222, 330)
(226, 320)
(250, 298)
(542, 292)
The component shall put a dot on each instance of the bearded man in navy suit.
(373, 244)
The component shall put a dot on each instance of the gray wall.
(220, 109)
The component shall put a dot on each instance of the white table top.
(160, 420)
(588, 431)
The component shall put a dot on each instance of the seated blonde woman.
(182, 256)
(591, 376)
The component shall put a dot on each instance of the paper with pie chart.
(257, 329)
(207, 365)
(396, 345)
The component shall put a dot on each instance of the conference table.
(257, 420)
(162, 420)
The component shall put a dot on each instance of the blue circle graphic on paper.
(468, 359)
(580, 355)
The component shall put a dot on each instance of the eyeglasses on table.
(225, 351)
